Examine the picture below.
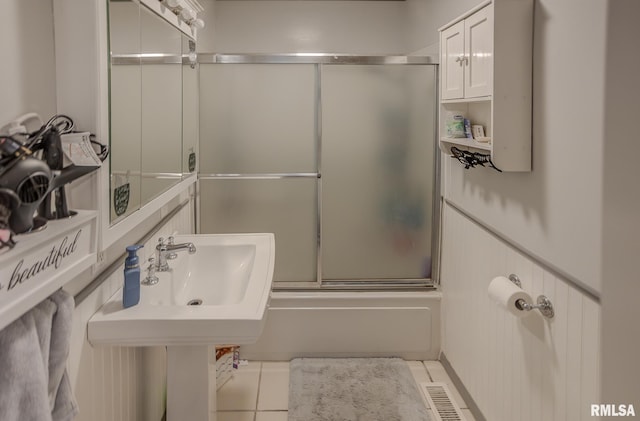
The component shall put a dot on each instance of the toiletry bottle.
(131, 289)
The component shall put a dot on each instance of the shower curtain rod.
(313, 58)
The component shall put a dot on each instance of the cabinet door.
(451, 61)
(478, 50)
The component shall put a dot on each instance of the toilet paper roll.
(506, 293)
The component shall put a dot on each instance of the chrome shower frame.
(319, 59)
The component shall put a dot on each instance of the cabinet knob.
(462, 59)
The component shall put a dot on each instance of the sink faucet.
(164, 249)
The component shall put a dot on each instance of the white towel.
(34, 385)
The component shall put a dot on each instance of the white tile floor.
(259, 391)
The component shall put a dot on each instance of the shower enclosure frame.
(318, 60)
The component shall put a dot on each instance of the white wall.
(578, 209)
(424, 17)
(27, 73)
(533, 368)
(554, 212)
(543, 370)
(280, 26)
(621, 209)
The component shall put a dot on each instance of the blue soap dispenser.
(131, 289)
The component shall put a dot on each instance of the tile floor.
(259, 391)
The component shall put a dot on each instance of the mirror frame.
(109, 233)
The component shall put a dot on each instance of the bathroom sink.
(218, 295)
(216, 275)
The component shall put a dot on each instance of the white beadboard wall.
(119, 383)
(529, 369)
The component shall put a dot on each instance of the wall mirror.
(152, 106)
(190, 110)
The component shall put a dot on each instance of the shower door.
(337, 160)
(377, 171)
(258, 158)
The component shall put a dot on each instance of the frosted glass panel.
(189, 114)
(257, 118)
(161, 109)
(377, 171)
(285, 207)
(161, 128)
(125, 102)
(125, 155)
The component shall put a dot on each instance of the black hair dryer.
(24, 183)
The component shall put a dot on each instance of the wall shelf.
(44, 261)
(467, 100)
(466, 143)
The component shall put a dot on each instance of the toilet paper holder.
(542, 303)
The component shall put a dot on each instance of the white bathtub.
(349, 324)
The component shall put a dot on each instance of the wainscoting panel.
(526, 369)
(119, 383)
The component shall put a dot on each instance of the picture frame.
(477, 130)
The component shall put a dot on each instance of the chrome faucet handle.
(161, 253)
(151, 278)
(171, 242)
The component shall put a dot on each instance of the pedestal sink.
(219, 295)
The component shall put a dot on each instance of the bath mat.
(353, 389)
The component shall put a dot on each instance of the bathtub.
(349, 324)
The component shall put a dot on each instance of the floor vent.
(443, 407)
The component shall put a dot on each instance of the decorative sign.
(23, 271)
(44, 261)
(121, 199)
(192, 162)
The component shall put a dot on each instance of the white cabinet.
(451, 62)
(478, 53)
(466, 56)
(486, 75)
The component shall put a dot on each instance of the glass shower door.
(258, 172)
(336, 158)
(378, 145)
